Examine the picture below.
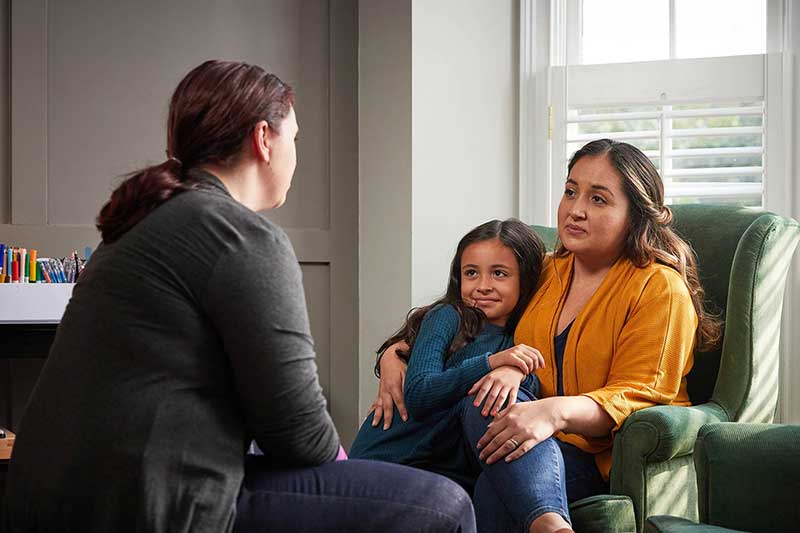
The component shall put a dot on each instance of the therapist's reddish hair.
(212, 111)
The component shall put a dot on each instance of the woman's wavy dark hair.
(529, 252)
(651, 237)
(211, 113)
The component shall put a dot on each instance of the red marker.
(15, 269)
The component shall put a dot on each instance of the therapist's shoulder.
(233, 223)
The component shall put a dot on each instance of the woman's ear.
(261, 141)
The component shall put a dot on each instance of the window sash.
(582, 94)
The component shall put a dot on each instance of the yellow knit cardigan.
(629, 348)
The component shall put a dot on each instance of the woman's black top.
(559, 345)
(183, 340)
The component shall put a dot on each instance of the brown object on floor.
(6, 444)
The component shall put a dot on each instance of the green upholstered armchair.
(743, 258)
(748, 478)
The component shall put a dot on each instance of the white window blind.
(701, 122)
(708, 152)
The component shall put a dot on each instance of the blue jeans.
(352, 496)
(510, 496)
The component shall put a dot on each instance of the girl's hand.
(521, 356)
(517, 429)
(497, 386)
(390, 390)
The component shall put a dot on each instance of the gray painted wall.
(438, 148)
(384, 179)
(465, 128)
(90, 86)
(435, 104)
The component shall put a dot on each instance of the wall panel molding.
(29, 112)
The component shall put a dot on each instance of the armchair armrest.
(653, 436)
(663, 432)
(748, 476)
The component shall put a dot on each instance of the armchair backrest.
(743, 256)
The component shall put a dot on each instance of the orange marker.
(32, 268)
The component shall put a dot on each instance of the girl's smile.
(490, 279)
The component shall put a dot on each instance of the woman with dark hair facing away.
(616, 316)
(186, 337)
(458, 343)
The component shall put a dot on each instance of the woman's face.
(283, 159)
(593, 220)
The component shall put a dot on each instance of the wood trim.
(534, 206)
(342, 241)
(7, 444)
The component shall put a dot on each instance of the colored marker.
(45, 273)
(15, 269)
(32, 267)
(23, 275)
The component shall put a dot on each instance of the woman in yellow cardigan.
(616, 316)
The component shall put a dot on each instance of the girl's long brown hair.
(211, 113)
(651, 237)
(529, 252)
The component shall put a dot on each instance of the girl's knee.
(471, 414)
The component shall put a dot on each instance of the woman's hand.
(521, 356)
(518, 428)
(390, 390)
(497, 386)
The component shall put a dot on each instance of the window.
(623, 31)
(661, 75)
(705, 87)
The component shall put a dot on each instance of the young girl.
(460, 345)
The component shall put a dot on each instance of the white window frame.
(544, 34)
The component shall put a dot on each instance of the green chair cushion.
(600, 514)
(673, 524)
(749, 476)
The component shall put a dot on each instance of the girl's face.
(490, 279)
(593, 213)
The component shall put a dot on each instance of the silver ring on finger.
(514, 443)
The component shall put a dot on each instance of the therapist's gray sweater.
(183, 340)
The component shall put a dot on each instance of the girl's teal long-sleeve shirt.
(435, 382)
(434, 387)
